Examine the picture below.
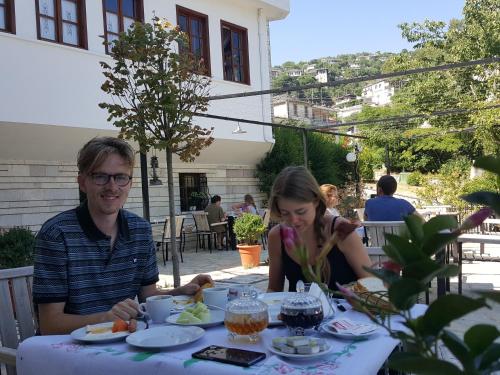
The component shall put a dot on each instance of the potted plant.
(247, 228)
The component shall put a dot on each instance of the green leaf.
(490, 356)
(393, 253)
(494, 295)
(485, 198)
(404, 293)
(437, 241)
(426, 269)
(414, 363)
(480, 336)
(448, 308)
(388, 276)
(414, 225)
(458, 349)
(408, 251)
(439, 223)
(488, 163)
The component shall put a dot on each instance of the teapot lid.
(301, 301)
(246, 304)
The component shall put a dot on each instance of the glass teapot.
(300, 312)
(246, 317)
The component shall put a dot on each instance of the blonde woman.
(330, 193)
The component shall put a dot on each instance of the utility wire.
(275, 125)
(407, 117)
(359, 79)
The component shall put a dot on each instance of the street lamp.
(353, 157)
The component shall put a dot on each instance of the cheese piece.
(307, 349)
(296, 341)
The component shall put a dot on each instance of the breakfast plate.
(303, 357)
(82, 335)
(164, 337)
(216, 318)
(350, 330)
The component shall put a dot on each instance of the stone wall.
(33, 191)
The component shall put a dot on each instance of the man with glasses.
(91, 262)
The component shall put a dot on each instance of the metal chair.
(204, 229)
(266, 219)
(180, 237)
(17, 317)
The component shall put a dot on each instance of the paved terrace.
(225, 268)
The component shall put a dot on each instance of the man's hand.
(194, 285)
(125, 310)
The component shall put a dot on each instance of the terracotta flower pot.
(250, 255)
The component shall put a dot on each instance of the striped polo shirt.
(74, 262)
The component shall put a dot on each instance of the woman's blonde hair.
(298, 184)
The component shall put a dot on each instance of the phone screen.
(239, 357)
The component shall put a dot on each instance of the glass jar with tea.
(245, 317)
(300, 312)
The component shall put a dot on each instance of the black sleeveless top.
(340, 270)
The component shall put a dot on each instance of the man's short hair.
(387, 184)
(215, 199)
(95, 152)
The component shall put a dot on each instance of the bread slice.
(373, 291)
(370, 284)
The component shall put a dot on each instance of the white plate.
(300, 356)
(349, 336)
(81, 334)
(273, 302)
(216, 318)
(181, 302)
(165, 337)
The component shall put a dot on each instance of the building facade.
(50, 76)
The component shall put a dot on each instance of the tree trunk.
(171, 211)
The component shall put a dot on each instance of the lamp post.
(353, 157)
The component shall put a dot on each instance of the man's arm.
(189, 289)
(54, 321)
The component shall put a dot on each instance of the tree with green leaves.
(156, 91)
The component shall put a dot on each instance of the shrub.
(16, 248)
(416, 178)
(248, 228)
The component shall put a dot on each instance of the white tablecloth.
(59, 355)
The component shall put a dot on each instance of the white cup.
(216, 297)
(157, 307)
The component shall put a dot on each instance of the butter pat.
(307, 349)
(295, 341)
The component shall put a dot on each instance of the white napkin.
(329, 310)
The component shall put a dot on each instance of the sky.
(319, 28)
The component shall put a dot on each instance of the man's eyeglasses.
(120, 179)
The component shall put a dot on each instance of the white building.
(295, 73)
(291, 108)
(321, 75)
(378, 93)
(51, 77)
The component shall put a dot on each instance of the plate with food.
(198, 315)
(165, 337)
(107, 332)
(299, 347)
(344, 328)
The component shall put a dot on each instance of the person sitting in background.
(93, 261)
(385, 207)
(248, 206)
(297, 200)
(216, 215)
(330, 193)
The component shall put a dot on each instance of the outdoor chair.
(374, 238)
(266, 218)
(180, 237)
(206, 230)
(17, 318)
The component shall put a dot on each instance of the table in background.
(491, 239)
(59, 355)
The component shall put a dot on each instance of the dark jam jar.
(301, 311)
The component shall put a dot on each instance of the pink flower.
(476, 219)
(290, 239)
(392, 266)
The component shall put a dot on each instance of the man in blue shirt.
(92, 262)
(385, 207)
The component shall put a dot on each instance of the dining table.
(61, 355)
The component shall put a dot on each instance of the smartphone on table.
(233, 356)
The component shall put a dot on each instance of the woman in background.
(248, 206)
(330, 193)
(297, 200)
